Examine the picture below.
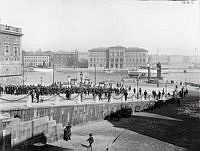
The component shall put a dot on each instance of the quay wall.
(33, 124)
(74, 114)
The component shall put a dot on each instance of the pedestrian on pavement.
(90, 140)
(145, 94)
(67, 132)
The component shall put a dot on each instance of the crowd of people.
(100, 91)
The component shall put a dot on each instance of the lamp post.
(95, 76)
(23, 73)
(81, 77)
(41, 80)
(149, 72)
(137, 87)
(166, 86)
(53, 73)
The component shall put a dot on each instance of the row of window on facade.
(97, 54)
(11, 59)
(36, 57)
(98, 59)
(119, 59)
(7, 50)
(36, 61)
(116, 59)
(141, 60)
(97, 65)
(116, 54)
(136, 54)
(33, 64)
(116, 65)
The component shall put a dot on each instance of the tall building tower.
(10, 55)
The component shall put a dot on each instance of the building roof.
(98, 49)
(136, 49)
(117, 47)
(36, 53)
(5, 29)
(65, 53)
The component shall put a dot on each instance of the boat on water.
(43, 69)
(108, 71)
(37, 69)
(144, 72)
(137, 72)
(28, 69)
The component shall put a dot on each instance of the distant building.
(98, 57)
(176, 59)
(135, 57)
(117, 57)
(82, 56)
(65, 59)
(163, 59)
(36, 59)
(10, 55)
(83, 59)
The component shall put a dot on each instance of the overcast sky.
(84, 24)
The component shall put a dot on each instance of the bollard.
(111, 98)
(96, 98)
(57, 101)
(29, 101)
(123, 98)
(79, 98)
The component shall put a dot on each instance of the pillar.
(149, 73)
(29, 101)
(96, 98)
(123, 98)
(57, 101)
(79, 98)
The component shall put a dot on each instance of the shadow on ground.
(45, 147)
(185, 133)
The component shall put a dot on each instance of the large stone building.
(97, 57)
(135, 57)
(36, 59)
(65, 59)
(10, 55)
(117, 58)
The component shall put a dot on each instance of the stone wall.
(20, 134)
(37, 124)
(75, 114)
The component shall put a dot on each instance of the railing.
(10, 29)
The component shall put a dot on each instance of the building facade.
(117, 58)
(97, 57)
(135, 57)
(65, 59)
(36, 59)
(10, 55)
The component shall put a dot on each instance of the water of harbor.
(46, 78)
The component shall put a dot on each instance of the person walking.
(90, 140)
(37, 95)
(145, 94)
(32, 95)
(67, 133)
(125, 94)
(134, 90)
(109, 95)
(140, 91)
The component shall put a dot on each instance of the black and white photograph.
(99, 75)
